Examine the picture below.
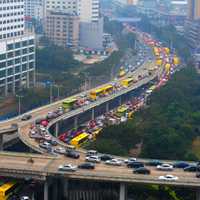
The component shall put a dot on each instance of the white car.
(94, 159)
(168, 177)
(130, 160)
(60, 150)
(67, 167)
(24, 198)
(114, 162)
(165, 167)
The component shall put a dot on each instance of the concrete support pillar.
(120, 100)
(76, 122)
(65, 188)
(46, 190)
(122, 192)
(28, 80)
(57, 129)
(93, 112)
(107, 107)
(1, 142)
(198, 194)
(55, 190)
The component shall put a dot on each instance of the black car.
(141, 170)
(106, 157)
(135, 164)
(154, 163)
(87, 165)
(26, 117)
(181, 164)
(198, 174)
(191, 168)
(72, 154)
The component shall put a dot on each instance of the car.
(165, 167)
(130, 160)
(72, 154)
(135, 164)
(91, 152)
(191, 168)
(168, 177)
(60, 150)
(45, 145)
(181, 164)
(154, 163)
(141, 170)
(24, 198)
(114, 161)
(95, 159)
(26, 117)
(198, 174)
(87, 165)
(67, 167)
(53, 142)
(105, 157)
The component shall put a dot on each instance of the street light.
(19, 103)
(58, 90)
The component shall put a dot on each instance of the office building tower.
(17, 48)
(62, 28)
(194, 9)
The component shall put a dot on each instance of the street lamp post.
(51, 93)
(19, 103)
(58, 90)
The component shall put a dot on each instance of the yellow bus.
(80, 139)
(96, 93)
(96, 132)
(127, 82)
(69, 103)
(153, 87)
(121, 111)
(122, 72)
(108, 89)
(8, 189)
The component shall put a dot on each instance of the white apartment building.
(34, 9)
(67, 6)
(89, 10)
(17, 48)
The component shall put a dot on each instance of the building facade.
(91, 25)
(62, 28)
(194, 9)
(17, 48)
(34, 9)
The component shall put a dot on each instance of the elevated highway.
(43, 167)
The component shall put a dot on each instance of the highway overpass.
(45, 168)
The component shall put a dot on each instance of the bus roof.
(153, 87)
(122, 109)
(7, 185)
(70, 100)
(97, 90)
(108, 87)
(81, 136)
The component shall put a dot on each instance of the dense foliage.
(54, 58)
(166, 128)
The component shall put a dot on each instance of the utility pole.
(19, 103)
(51, 93)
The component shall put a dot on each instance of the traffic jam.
(165, 61)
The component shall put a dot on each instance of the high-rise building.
(194, 9)
(34, 9)
(91, 24)
(89, 10)
(62, 28)
(67, 6)
(17, 48)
